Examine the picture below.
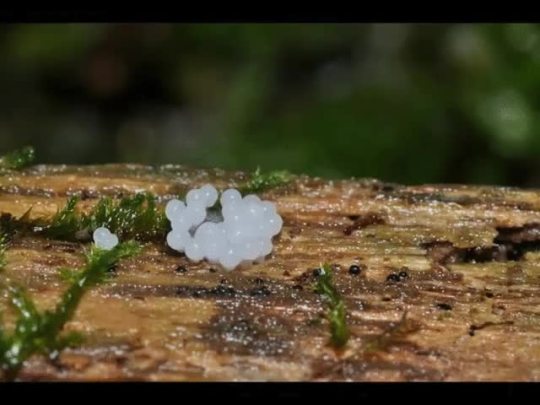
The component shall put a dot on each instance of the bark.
(467, 309)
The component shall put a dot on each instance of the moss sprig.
(41, 332)
(337, 312)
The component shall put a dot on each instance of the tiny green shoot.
(336, 307)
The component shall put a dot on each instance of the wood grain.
(468, 310)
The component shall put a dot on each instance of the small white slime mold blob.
(244, 235)
(104, 239)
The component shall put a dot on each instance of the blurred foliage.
(402, 102)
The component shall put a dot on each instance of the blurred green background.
(407, 103)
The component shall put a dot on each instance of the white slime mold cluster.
(104, 239)
(244, 235)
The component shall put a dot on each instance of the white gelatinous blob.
(274, 224)
(193, 251)
(244, 235)
(212, 239)
(266, 248)
(104, 239)
(237, 231)
(230, 196)
(251, 250)
(254, 210)
(252, 199)
(268, 208)
(195, 198)
(230, 259)
(182, 222)
(210, 194)
(195, 214)
(177, 239)
(101, 233)
(173, 208)
(232, 210)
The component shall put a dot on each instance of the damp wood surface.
(467, 309)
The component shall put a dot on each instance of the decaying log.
(467, 309)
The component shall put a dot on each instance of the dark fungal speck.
(180, 269)
(212, 270)
(393, 277)
(355, 270)
(260, 292)
(297, 287)
(489, 294)
(403, 275)
(444, 306)
(223, 291)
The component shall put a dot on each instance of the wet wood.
(469, 308)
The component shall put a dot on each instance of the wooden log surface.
(469, 308)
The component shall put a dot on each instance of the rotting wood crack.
(510, 244)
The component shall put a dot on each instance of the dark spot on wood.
(356, 269)
(444, 306)
(473, 328)
(363, 221)
(286, 273)
(393, 277)
(212, 270)
(258, 281)
(489, 294)
(86, 194)
(180, 269)
(260, 292)
(403, 273)
(201, 292)
(297, 287)
(443, 252)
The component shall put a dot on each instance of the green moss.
(263, 181)
(135, 217)
(41, 332)
(337, 313)
(66, 222)
(17, 159)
